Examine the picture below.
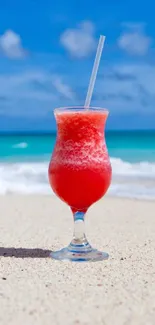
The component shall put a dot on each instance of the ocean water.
(24, 163)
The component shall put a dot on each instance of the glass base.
(79, 253)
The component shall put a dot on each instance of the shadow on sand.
(24, 252)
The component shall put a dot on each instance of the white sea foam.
(25, 178)
(21, 145)
(143, 169)
(129, 180)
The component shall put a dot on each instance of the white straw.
(94, 71)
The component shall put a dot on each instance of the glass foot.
(79, 253)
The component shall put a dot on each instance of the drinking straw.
(94, 71)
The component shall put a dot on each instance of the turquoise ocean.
(24, 163)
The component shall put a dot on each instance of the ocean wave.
(144, 169)
(129, 180)
(21, 145)
(24, 178)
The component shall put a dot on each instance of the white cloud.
(35, 84)
(123, 88)
(80, 41)
(32, 92)
(127, 89)
(134, 40)
(11, 45)
(62, 87)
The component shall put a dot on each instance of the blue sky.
(47, 51)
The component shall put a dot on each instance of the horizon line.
(39, 132)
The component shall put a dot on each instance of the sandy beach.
(35, 289)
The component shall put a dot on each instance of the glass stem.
(79, 237)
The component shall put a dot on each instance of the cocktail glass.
(80, 172)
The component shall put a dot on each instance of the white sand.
(35, 289)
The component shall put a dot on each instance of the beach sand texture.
(35, 289)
